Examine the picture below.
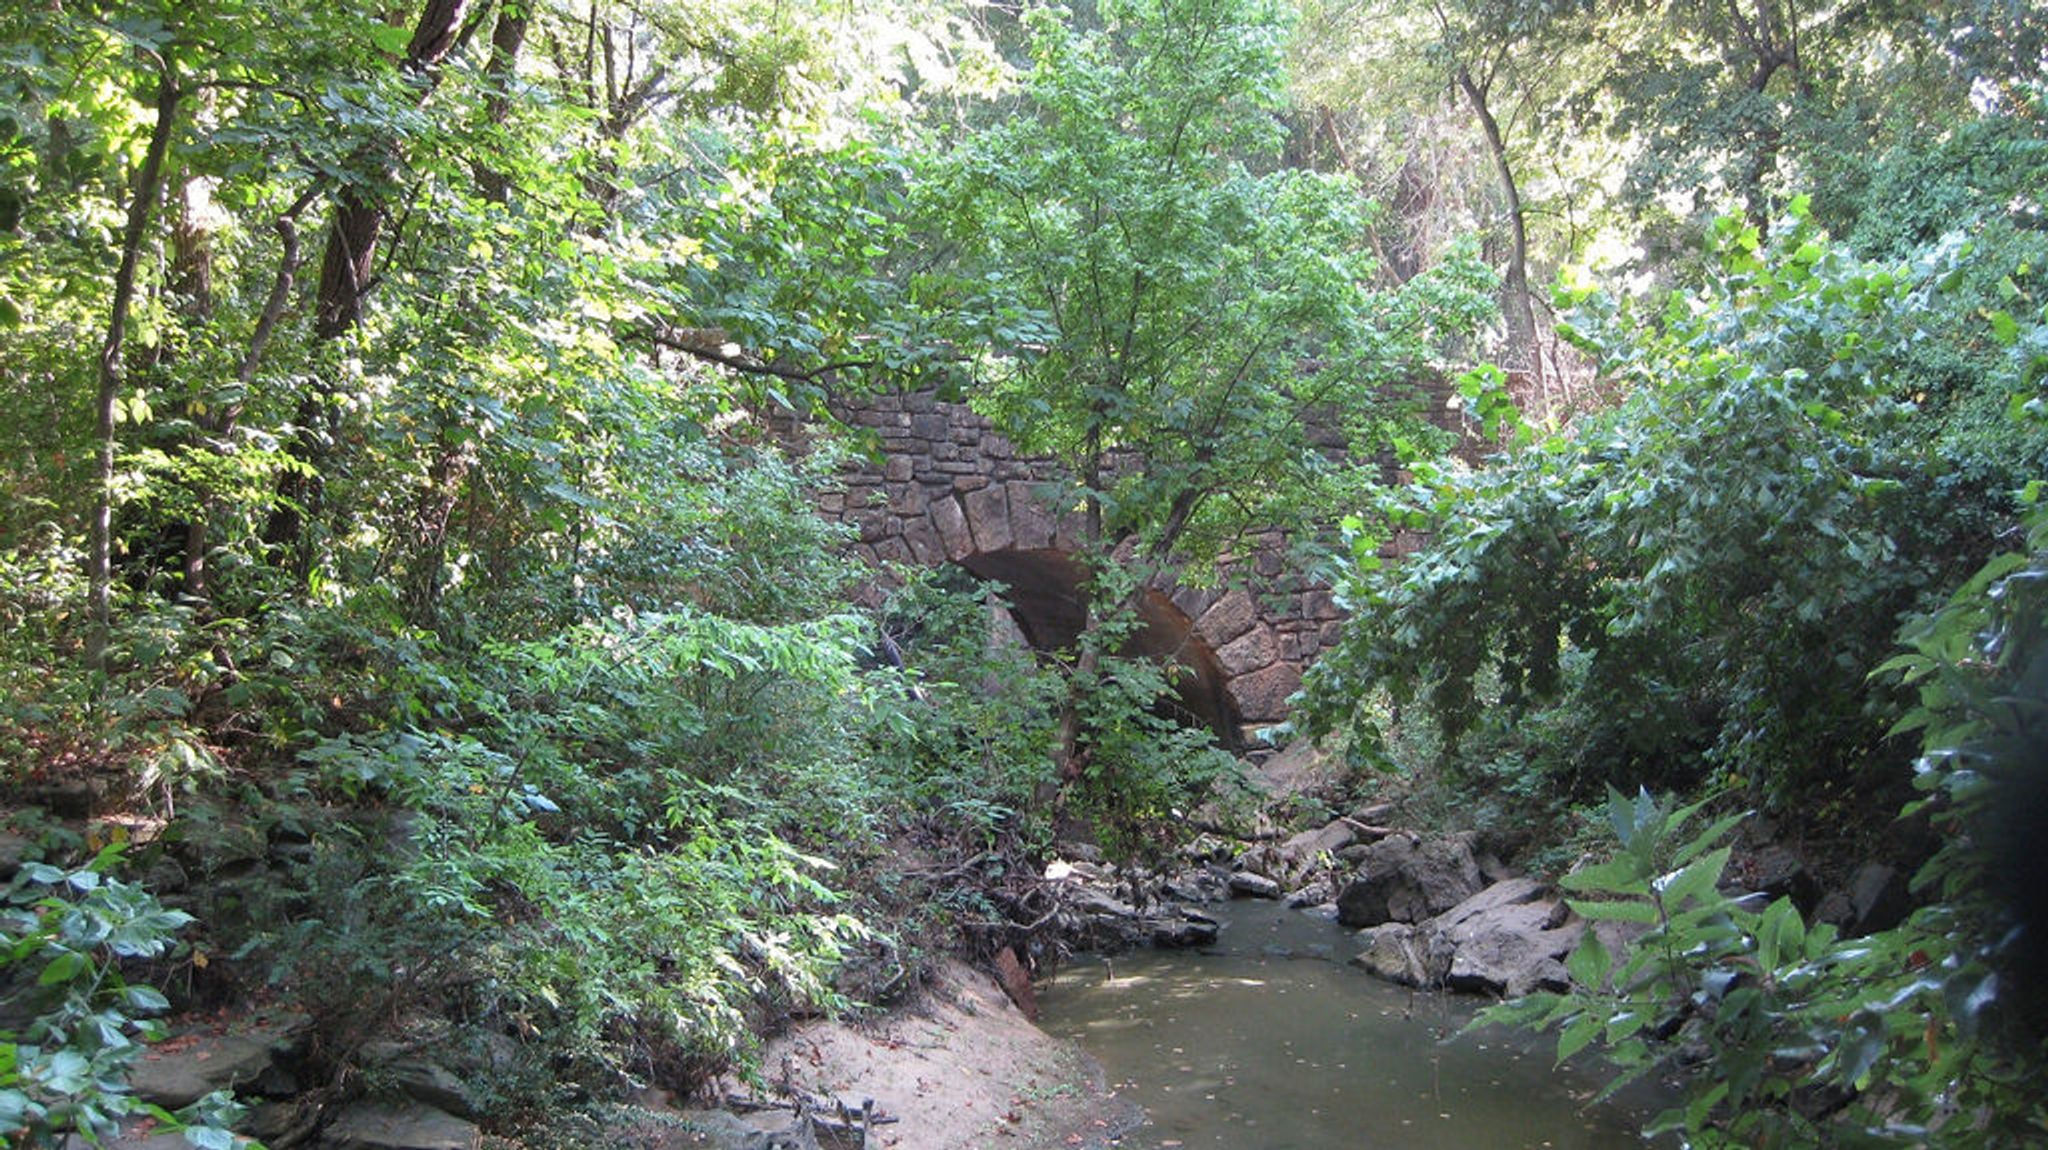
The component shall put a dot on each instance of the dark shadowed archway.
(1044, 593)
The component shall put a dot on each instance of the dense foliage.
(1895, 1038)
(1697, 581)
(1701, 588)
(400, 560)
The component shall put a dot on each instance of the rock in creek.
(1188, 928)
(1252, 885)
(1507, 939)
(1202, 884)
(1404, 878)
(1875, 900)
(1102, 921)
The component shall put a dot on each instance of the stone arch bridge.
(948, 489)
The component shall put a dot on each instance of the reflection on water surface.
(1266, 1043)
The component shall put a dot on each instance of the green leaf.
(68, 965)
(1578, 1035)
(1708, 837)
(390, 39)
(1694, 881)
(1780, 935)
(144, 999)
(1603, 911)
(1620, 875)
(1589, 962)
(68, 1072)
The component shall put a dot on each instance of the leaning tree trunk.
(1517, 306)
(149, 188)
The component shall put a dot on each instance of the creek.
(1268, 1041)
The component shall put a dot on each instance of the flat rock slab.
(137, 1136)
(187, 1067)
(387, 1126)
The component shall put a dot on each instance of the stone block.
(910, 499)
(923, 540)
(1261, 697)
(1231, 617)
(966, 483)
(1031, 524)
(873, 523)
(1249, 652)
(381, 1126)
(1193, 601)
(205, 1063)
(953, 535)
(899, 468)
(988, 516)
(930, 426)
(1071, 531)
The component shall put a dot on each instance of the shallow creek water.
(1267, 1041)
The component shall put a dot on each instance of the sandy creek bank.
(959, 1069)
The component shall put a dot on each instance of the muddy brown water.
(1268, 1041)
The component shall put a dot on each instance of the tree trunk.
(149, 188)
(192, 286)
(346, 270)
(1067, 753)
(1517, 307)
(221, 423)
(508, 38)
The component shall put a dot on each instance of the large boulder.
(1404, 878)
(1098, 919)
(1405, 954)
(1199, 884)
(1875, 899)
(1250, 884)
(1507, 939)
(1512, 948)
(1327, 839)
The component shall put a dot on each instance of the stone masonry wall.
(949, 489)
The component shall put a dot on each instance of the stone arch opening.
(1045, 599)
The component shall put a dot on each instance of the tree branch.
(711, 346)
